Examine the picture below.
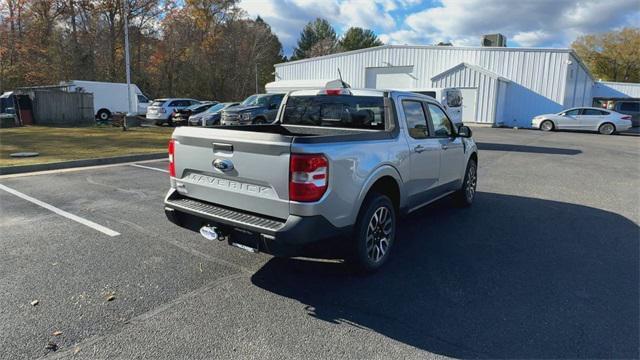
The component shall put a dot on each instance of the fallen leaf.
(51, 346)
(76, 350)
(200, 267)
(35, 302)
(111, 297)
(57, 333)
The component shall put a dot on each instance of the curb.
(7, 170)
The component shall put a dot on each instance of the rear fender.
(377, 174)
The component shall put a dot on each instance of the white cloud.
(550, 22)
(532, 38)
(288, 17)
(553, 23)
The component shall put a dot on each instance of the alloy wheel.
(607, 129)
(472, 179)
(379, 234)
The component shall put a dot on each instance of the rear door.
(452, 150)
(424, 153)
(589, 119)
(240, 169)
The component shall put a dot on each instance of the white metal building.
(500, 85)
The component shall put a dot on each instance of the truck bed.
(314, 134)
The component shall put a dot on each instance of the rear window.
(344, 111)
(594, 112)
(158, 103)
(630, 106)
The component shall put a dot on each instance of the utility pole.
(257, 88)
(126, 62)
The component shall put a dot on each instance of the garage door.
(469, 99)
(391, 77)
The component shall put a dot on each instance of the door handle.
(444, 146)
(419, 148)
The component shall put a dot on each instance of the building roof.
(435, 47)
(462, 65)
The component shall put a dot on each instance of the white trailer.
(109, 98)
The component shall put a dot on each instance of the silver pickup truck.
(328, 179)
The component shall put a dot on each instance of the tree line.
(613, 56)
(206, 49)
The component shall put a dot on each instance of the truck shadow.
(511, 277)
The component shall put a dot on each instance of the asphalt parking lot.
(544, 265)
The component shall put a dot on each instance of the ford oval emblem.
(223, 164)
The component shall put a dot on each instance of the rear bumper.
(295, 236)
(624, 127)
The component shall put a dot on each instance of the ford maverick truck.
(329, 177)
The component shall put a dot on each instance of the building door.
(469, 98)
(390, 77)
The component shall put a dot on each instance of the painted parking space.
(536, 268)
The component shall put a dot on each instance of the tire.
(103, 115)
(159, 123)
(170, 121)
(547, 125)
(374, 234)
(607, 129)
(467, 193)
(259, 121)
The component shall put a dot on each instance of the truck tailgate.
(257, 175)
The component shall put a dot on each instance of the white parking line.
(61, 212)
(81, 168)
(149, 167)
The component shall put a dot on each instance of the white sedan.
(604, 121)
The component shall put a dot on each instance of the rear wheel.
(260, 121)
(546, 125)
(607, 129)
(374, 233)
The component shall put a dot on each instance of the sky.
(528, 23)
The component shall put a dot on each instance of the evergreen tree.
(358, 38)
(317, 38)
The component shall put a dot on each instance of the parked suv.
(256, 109)
(161, 110)
(329, 178)
(629, 108)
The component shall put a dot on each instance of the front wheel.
(374, 233)
(607, 129)
(467, 193)
(103, 115)
(546, 125)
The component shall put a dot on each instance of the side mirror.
(464, 131)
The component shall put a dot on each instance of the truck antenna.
(344, 85)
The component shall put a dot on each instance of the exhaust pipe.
(211, 233)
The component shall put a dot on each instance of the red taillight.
(308, 177)
(172, 165)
